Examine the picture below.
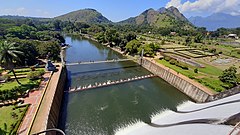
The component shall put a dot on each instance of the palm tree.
(9, 54)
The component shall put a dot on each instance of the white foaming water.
(166, 112)
(123, 130)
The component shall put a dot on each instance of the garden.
(207, 76)
(11, 110)
(11, 117)
(28, 77)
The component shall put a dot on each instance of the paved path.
(33, 99)
(42, 116)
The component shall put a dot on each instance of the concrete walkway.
(33, 98)
(42, 116)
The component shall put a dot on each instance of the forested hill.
(216, 20)
(16, 17)
(164, 17)
(85, 15)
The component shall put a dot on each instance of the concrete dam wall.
(182, 83)
(48, 114)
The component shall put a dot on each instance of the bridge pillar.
(141, 58)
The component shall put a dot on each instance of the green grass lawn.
(210, 70)
(10, 119)
(207, 76)
(24, 71)
(13, 83)
(25, 84)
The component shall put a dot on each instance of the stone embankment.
(193, 89)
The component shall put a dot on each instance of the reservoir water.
(103, 111)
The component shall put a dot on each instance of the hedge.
(16, 126)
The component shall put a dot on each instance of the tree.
(229, 76)
(9, 54)
(195, 70)
(132, 46)
(188, 41)
(198, 38)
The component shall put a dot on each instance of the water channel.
(108, 109)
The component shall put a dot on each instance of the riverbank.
(192, 89)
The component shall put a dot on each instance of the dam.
(104, 110)
(131, 107)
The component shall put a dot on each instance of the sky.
(116, 10)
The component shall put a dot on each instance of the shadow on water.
(63, 110)
(104, 110)
(101, 70)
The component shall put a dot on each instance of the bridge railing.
(96, 62)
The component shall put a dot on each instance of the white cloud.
(207, 6)
(25, 12)
(18, 11)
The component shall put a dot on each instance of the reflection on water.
(104, 110)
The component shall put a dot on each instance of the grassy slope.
(207, 76)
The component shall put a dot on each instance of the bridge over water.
(113, 109)
(97, 62)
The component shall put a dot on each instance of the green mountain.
(84, 15)
(164, 17)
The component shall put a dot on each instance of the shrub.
(195, 70)
(32, 68)
(167, 58)
(33, 75)
(173, 61)
(182, 65)
(191, 77)
(15, 127)
(41, 72)
(1, 70)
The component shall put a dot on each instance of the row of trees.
(22, 42)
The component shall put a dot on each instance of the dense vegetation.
(34, 38)
(24, 42)
(37, 38)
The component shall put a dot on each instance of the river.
(109, 109)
